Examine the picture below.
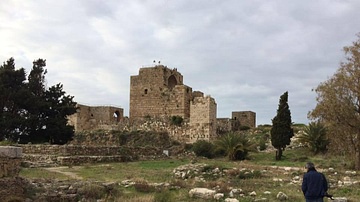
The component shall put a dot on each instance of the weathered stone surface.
(9, 167)
(218, 196)
(231, 200)
(12, 189)
(10, 151)
(203, 193)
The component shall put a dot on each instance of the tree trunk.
(278, 154)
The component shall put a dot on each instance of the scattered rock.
(231, 200)
(282, 196)
(218, 196)
(203, 193)
(339, 199)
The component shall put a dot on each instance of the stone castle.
(158, 93)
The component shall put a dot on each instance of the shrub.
(262, 145)
(235, 146)
(176, 120)
(203, 148)
(315, 137)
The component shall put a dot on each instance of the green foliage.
(338, 104)
(235, 146)
(262, 145)
(176, 120)
(281, 131)
(28, 111)
(203, 148)
(315, 137)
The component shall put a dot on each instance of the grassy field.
(267, 176)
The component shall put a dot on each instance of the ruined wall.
(246, 118)
(81, 154)
(10, 160)
(202, 119)
(223, 125)
(94, 117)
(159, 92)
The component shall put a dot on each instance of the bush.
(235, 146)
(176, 120)
(315, 136)
(203, 148)
(262, 145)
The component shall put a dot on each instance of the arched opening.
(145, 91)
(116, 116)
(172, 82)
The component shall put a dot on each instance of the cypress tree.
(281, 131)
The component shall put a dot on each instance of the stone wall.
(95, 117)
(10, 160)
(79, 154)
(202, 119)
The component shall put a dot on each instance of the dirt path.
(67, 173)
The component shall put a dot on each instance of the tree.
(338, 105)
(29, 112)
(12, 100)
(281, 131)
(235, 145)
(315, 137)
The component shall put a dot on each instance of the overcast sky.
(245, 54)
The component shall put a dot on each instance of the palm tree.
(315, 137)
(235, 146)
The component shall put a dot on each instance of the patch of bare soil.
(67, 173)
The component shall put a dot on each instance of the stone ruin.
(10, 184)
(10, 160)
(158, 93)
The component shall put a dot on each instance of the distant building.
(246, 118)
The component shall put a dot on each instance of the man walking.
(314, 185)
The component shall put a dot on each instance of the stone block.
(10, 151)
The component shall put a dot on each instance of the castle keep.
(159, 92)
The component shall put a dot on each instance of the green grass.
(148, 170)
(34, 173)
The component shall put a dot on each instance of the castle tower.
(202, 119)
(246, 118)
(159, 92)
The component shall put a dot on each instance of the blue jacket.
(314, 185)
